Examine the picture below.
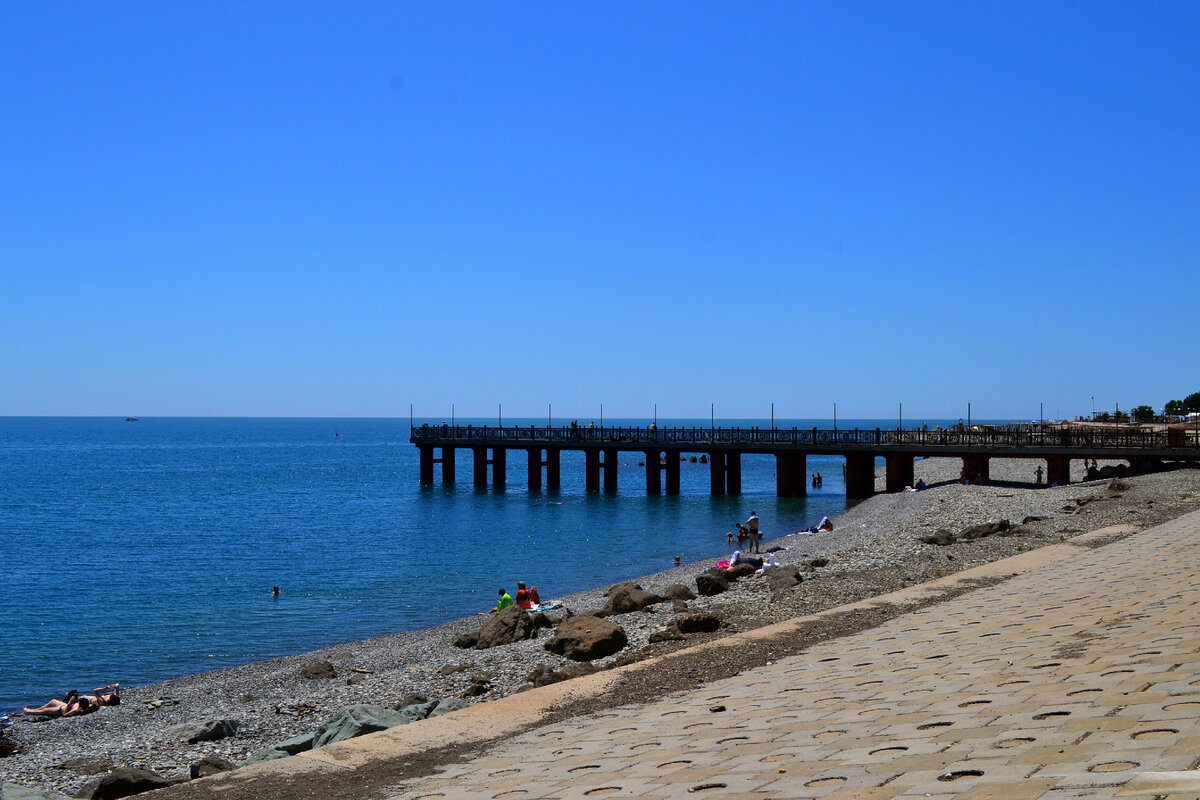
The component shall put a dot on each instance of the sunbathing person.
(523, 599)
(75, 704)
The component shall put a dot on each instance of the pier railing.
(635, 437)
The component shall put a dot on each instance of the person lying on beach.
(75, 704)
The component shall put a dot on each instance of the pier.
(662, 449)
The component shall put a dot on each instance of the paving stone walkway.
(1076, 679)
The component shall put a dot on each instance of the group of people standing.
(817, 480)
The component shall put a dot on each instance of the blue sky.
(344, 208)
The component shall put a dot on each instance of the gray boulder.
(585, 638)
(711, 583)
(11, 791)
(357, 720)
(124, 782)
(211, 731)
(513, 624)
(448, 705)
(465, 640)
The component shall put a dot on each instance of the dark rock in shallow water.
(210, 765)
(711, 583)
(513, 624)
(210, 731)
(124, 782)
(585, 638)
(318, 671)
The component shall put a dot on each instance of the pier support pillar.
(552, 468)
(499, 468)
(535, 468)
(860, 475)
(899, 472)
(733, 472)
(716, 473)
(653, 472)
(791, 478)
(591, 470)
(447, 465)
(611, 461)
(672, 472)
(426, 464)
(1058, 470)
(479, 466)
(977, 468)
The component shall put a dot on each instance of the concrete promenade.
(1076, 676)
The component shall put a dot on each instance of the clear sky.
(339, 209)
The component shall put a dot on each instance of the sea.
(142, 550)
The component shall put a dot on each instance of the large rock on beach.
(124, 782)
(697, 623)
(210, 765)
(318, 671)
(781, 579)
(11, 791)
(677, 591)
(941, 537)
(742, 569)
(586, 638)
(211, 731)
(983, 529)
(513, 624)
(465, 640)
(711, 583)
(628, 597)
(357, 720)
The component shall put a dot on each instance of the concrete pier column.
(1141, 463)
(552, 470)
(499, 468)
(611, 461)
(653, 472)
(977, 466)
(535, 468)
(426, 464)
(860, 475)
(733, 472)
(591, 470)
(447, 465)
(791, 478)
(672, 472)
(716, 473)
(899, 472)
(479, 466)
(1058, 470)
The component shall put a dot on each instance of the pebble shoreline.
(875, 547)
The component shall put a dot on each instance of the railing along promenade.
(723, 448)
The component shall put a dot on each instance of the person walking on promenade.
(1039, 475)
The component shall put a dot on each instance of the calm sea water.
(140, 551)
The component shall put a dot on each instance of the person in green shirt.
(505, 601)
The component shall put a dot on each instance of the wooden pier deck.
(661, 448)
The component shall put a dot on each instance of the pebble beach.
(877, 546)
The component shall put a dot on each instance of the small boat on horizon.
(131, 419)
